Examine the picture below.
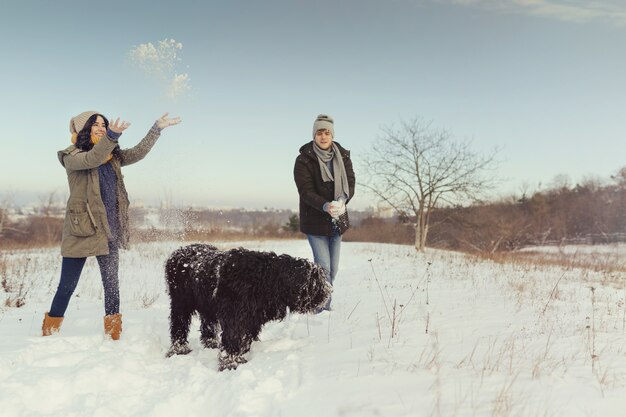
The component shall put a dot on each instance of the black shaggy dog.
(237, 291)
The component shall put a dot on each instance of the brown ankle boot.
(113, 325)
(50, 325)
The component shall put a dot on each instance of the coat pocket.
(81, 223)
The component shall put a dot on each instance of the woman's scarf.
(340, 178)
(94, 140)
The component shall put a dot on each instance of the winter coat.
(86, 228)
(314, 192)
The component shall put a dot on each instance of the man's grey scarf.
(340, 178)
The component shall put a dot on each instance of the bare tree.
(3, 219)
(45, 223)
(46, 204)
(620, 177)
(417, 168)
(560, 183)
(5, 223)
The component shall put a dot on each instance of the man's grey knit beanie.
(324, 121)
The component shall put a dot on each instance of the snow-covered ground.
(432, 334)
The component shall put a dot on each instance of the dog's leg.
(177, 349)
(228, 361)
(236, 341)
(180, 319)
(208, 330)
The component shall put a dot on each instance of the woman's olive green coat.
(86, 228)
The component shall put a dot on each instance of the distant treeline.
(43, 226)
(584, 213)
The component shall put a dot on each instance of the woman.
(325, 180)
(96, 217)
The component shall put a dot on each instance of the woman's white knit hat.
(78, 122)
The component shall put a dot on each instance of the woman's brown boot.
(51, 325)
(113, 325)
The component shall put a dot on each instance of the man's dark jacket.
(314, 192)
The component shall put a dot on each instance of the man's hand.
(336, 208)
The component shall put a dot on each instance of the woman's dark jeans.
(70, 274)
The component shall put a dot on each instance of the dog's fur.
(238, 291)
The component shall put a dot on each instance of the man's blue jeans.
(71, 269)
(326, 250)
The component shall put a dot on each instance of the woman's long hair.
(83, 138)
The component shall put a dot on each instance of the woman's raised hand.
(119, 127)
(164, 121)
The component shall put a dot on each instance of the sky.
(543, 81)
(409, 334)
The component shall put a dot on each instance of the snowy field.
(432, 334)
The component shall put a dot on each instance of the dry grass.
(209, 235)
(157, 235)
(609, 263)
(27, 245)
(14, 282)
(380, 231)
